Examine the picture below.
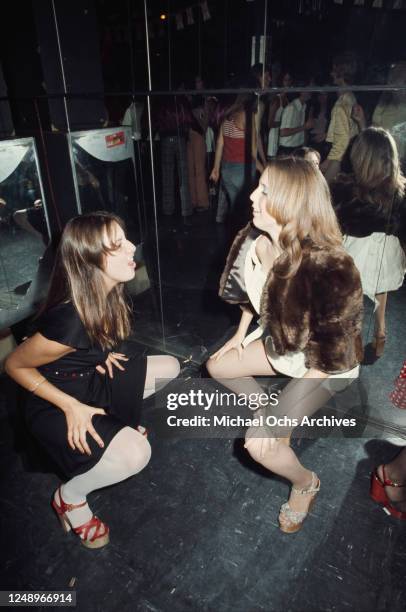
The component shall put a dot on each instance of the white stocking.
(161, 368)
(127, 454)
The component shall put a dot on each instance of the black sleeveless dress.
(76, 375)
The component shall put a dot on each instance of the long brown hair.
(376, 167)
(77, 277)
(299, 200)
(243, 103)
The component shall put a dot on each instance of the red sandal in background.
(398, 395)
(379, 495)
(100, 535)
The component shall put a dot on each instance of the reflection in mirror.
(23, 222)
(104, 173)
(112, 171)
(390, 112)
(370, 204)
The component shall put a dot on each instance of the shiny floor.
(197, 529)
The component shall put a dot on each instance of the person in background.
(398, 395)
(390, 112)
(260, 77)
(388, 486)
(309, 154)
(371, 208)
(343, 126)
(236, 150)
(196, 151)
(320, 114)
(211, 108)
(276, 108)
(133, 117)
(294, 125)
(173, 122)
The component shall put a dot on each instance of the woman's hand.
(112, 359)
(215, 175)
(234, 343)
(79, 423)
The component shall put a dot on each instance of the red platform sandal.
(379, 495)
(100, 536)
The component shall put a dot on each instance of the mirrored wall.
(24, 224)
(176, 79)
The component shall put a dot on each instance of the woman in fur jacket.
(371, 208)
(288, 265)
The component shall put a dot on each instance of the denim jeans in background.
(234, 183)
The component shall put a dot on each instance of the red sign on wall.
(115, 140)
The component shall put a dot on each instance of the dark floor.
(197, 530)
(21, 252)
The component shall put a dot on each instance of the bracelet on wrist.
(36, 385)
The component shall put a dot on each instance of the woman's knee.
(211, 367)
(215, 368)
(142, 454)
(254, 438)
(135, 451)
(171, 367)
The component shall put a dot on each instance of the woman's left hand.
(112, 359)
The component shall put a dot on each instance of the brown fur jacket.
(318, 310)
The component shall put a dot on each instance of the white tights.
(126, 455)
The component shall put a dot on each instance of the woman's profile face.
(119, 264)
(259, 198)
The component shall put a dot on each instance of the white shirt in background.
(293, 116)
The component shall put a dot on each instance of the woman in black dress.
(84, 413)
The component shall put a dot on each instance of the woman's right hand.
(234, 343)
(79, 423)
(215, 175)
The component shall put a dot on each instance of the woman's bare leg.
(380, 314)
(283, 461)
(301, 397)
(237, 374)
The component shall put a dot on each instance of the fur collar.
(318, 310)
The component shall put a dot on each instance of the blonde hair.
(375, 163)
(299, 200)
(78, 277)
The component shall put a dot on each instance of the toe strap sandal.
(292, 520)
(99, 531)
(379, 495)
